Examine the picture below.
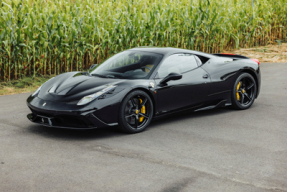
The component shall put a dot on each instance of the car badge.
(151, 84)
(44, 104)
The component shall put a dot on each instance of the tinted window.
(198, 60)
(177, 63)
(128, 65)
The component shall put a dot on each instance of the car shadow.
(75, 134)
(109, 132)
(172, 118)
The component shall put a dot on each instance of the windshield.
(128, 65)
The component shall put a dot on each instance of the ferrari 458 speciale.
(134, 86)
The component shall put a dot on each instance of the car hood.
(73, 86)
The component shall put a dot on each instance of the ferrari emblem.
(151, 84)
(44, 104)
(137, 111)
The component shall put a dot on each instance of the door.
(191, 90)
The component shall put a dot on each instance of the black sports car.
(135, 86)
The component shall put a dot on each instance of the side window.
(198, 60)
(177, 63)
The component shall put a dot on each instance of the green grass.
(27, 84)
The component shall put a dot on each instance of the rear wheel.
(136, 112)
(244, 91)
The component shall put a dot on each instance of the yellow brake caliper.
(142, 111)
(237, 94)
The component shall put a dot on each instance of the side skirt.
(222, 103)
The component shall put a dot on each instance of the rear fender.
(256, 75)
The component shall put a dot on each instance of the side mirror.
(171, 76)
(93, 66)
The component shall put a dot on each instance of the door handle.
(205, 76)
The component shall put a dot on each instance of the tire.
(244, 91)
(136, 112)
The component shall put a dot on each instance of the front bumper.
(66, 119)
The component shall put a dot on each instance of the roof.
(171, 50)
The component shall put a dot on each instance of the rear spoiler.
(235, 57)
(230, 55)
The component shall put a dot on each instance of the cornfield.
(47, 37)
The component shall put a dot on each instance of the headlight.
(89, 98)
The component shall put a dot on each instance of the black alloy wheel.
(244, 91)
(136, 112)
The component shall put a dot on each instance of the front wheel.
(244, 91)
(136, 112)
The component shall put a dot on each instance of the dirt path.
(270, 53)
